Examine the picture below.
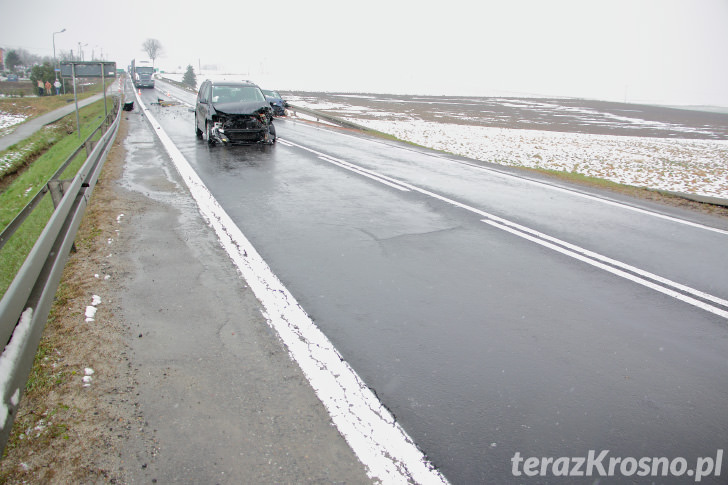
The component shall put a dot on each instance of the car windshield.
(272, 94)
(231, 94)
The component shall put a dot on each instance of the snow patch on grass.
(691, 166)
(8, 120)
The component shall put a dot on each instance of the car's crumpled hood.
(241, 107)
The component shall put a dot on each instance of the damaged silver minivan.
(233, 112)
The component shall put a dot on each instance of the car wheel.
(272, 132)
(208, 135)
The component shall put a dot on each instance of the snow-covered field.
(691, 166)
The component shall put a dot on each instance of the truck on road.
(142, 74)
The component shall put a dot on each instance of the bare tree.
(26, 58)
(67, 55)
(153, 48)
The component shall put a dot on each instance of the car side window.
(204, 93)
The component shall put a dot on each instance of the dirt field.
(17, 88)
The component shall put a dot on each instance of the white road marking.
(666, 286)
(649, 284)
(613, 262)
(363, 172)
(504, 174)
(379, 442)
(351, 167)
(574, 192)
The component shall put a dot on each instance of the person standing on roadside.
(40, 87)
(57, 85)
(48, 88)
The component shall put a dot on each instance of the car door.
(203, 105)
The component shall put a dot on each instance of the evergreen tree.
(43, 73)
(189, 78)
(12, 59)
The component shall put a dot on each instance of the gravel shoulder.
(178, 378)
(65, 431)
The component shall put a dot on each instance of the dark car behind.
(278, 104)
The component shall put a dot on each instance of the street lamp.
(80, 52)
(55, 63)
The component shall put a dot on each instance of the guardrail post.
(90, 144)
(57, 188)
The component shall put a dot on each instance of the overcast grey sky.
(662, 51)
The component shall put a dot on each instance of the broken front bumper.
(239, 136)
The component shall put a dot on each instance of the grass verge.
(39, 157)
(32, 106)
(643, 193)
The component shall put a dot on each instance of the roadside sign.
(88, 69)
(75, 70)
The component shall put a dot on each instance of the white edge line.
(379, 442)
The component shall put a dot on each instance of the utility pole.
(55, 63)
(80, 52)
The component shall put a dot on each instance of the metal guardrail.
(327, 117)
(26, 304)
(88, 144)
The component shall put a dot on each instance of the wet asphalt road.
(485, 341)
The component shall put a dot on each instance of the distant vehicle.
(141, 73)
(233, 112)
(12, 77)
(276, 101)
